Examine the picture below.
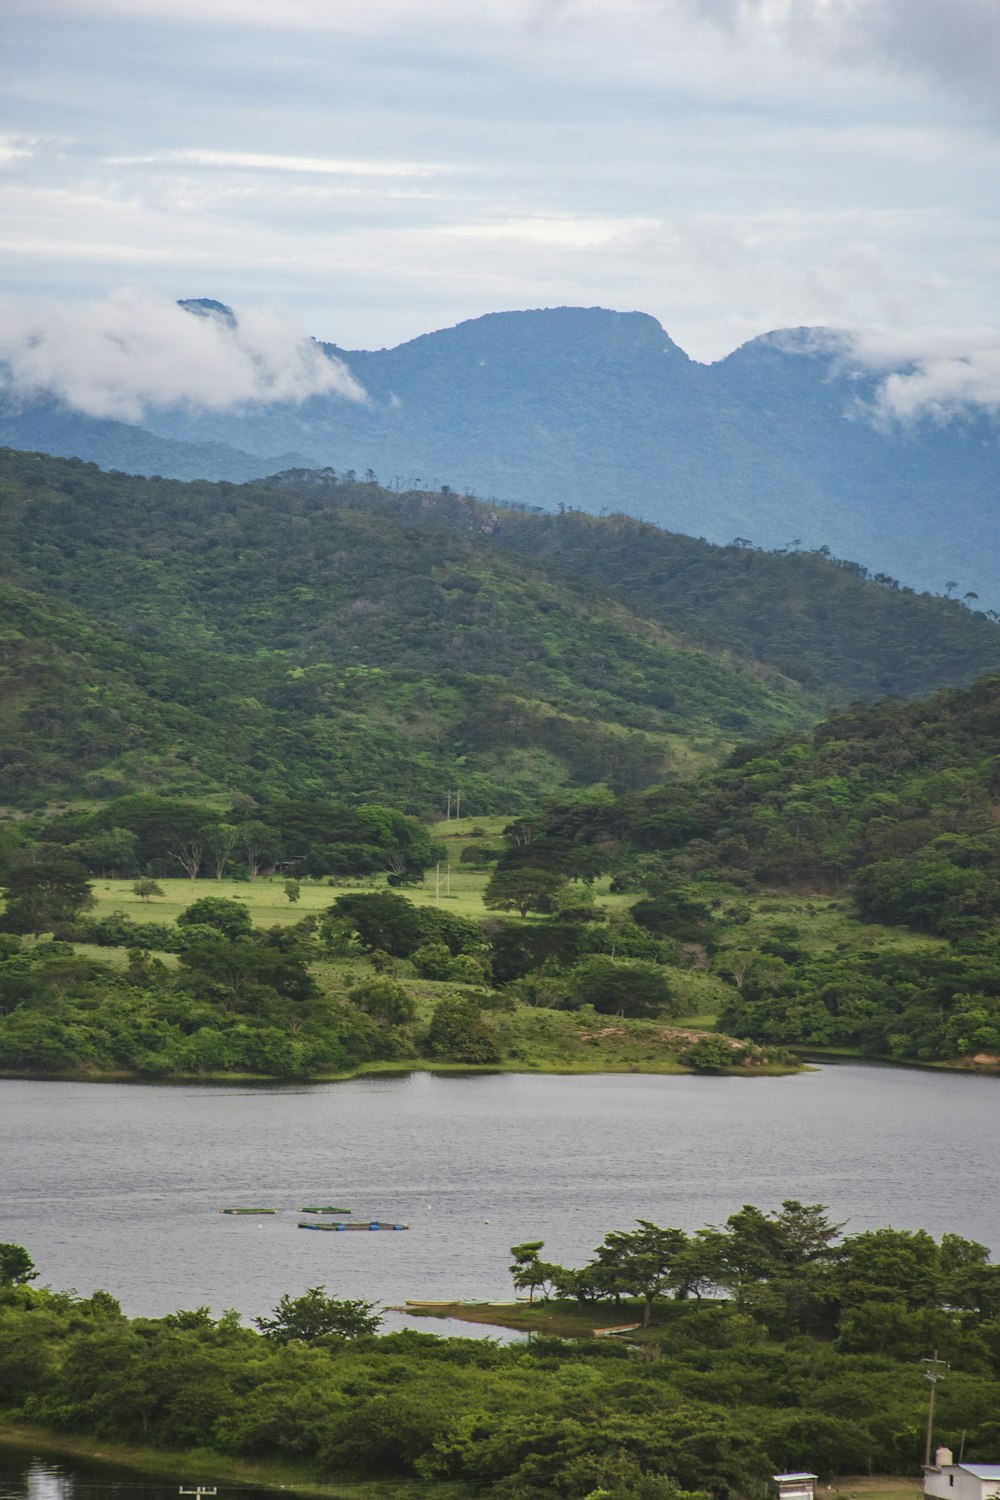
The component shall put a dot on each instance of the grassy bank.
(204, 1466)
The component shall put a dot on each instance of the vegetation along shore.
(769, 1343)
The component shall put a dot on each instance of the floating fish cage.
(343, 1228)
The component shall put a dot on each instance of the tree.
(643, 1262)
(42, 895)
(387, 1002)
(710, 1054)
(623, 987)
(222, 840)
(231, 918)
(16, 1265)
(528, 1271)
(145, 887)
(523, 888)
(113, 850)
(293, 890)
(260, 845)
(315, 1316)
(383, 921)
(459, 1031)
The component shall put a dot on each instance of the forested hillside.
(313, 637)
(895, 807)
(807, 614)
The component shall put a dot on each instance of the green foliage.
(16, 1266)
(388, 1003)
(626, 987)
(523, 888)
(460, 1032)
(709, 1054)
(314, 1316)
(383, 921)
(230, 918)
(41, 897)
(145, 888)
(811, 1356)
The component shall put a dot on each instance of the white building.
(796, 1486)
(947, 1480)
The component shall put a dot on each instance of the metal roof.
(982, 1471)
(781, 1477)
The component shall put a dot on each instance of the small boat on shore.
(248, 1210)
(342, 1228)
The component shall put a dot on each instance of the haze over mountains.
(785, 443)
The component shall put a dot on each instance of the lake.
(25, 1475)
(121, 1185)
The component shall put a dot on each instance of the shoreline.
(403, 1068)
(202, 1464)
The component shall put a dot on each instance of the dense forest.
(894, 806)
(770, 1344)
(317, 637)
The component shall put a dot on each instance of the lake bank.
(204, 1466)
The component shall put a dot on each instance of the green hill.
(200, 639)
(303, 637)
(892, 809)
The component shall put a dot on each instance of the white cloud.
(933, 377)
(942, 387)
(270, 162)
(137, 350)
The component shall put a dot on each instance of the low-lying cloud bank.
(912, 381)
(135, 351)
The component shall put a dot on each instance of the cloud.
(942, 387)
(956, 43)
(136, 351)
(270, 162)
(914, 381)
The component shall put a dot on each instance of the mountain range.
(782, 444)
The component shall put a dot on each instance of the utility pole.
(935, 1371)
(437, 882)
(458, 803)
(448, 814)
(447, 888)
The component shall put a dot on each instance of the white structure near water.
(947, 1480)
(795, 1486)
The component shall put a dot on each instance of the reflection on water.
(26, 1476)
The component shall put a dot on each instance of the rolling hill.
(315, 638)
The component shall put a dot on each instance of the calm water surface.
(120, 1185)
(29, 1476)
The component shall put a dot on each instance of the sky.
(369, 171)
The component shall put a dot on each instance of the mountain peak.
(207, 307)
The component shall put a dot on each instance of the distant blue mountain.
(602, 411)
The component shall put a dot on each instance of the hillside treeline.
(306, 638)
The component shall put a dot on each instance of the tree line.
(771, 1345)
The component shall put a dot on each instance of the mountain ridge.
(601, 410)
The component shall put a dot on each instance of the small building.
(947, 1480)
(795, 1486)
